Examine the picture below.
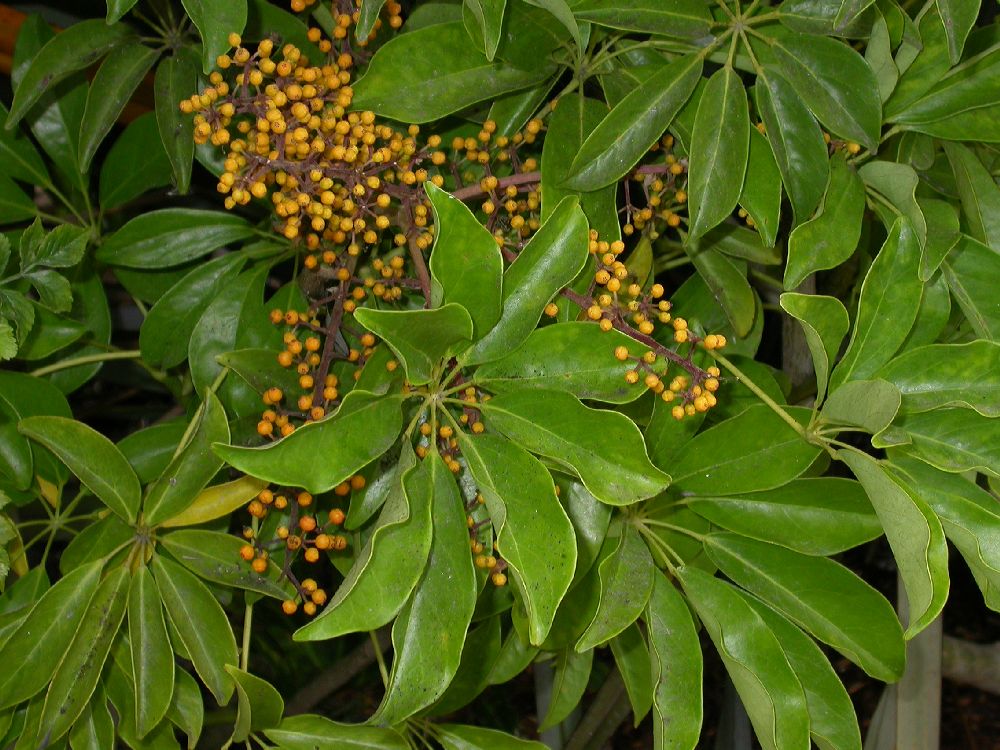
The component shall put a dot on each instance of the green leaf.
(825, 323)
(833, 723)
(19, 311)
(361, 430)
(796, 141)
(953, 439)
(632, 659)
(94, 729)
(849, 12)
(878, 55)
(769, 689)
(534, 536)
(8, 344)
(50, 333)
(835, 82)
(388, 566)
(76, 48)
(307, 732)
(442, 70)
(428, 635)
(938, 375)
(564, 14)
(635, 124)
(152, 657)
(15, 205)
(978, 192)
(760, 196)
(200, 623)
(21, 160)
(96, 541)
(94, 459)
(466, 265)
(970, 269)
(462, 737)
(576, 357)
(420, 338)
(755, 450)
(53, 289)
(215, 557)
(892, 191)
(943, 233)
(604, 448)
(134, 165)
(489, 16)
(170, 237)
(929, 62)
(259, 705)
(118, 8)
(572, 672)
(626, 582)
(676, 664)
(890, 298)
(217, 501)
(264, 19)
(76, 678)
(815, 516)
(959, 17)
(915, 536)
(44, 636)
(150, 449)
(191, 469)
(820, 595)
(176, 78)
(719, 151)
(728, 284)
(113, 85)
(187, 709)
(828, 239)
(479, 655)
(968, 515)
(687, 19)
(215, 22)
(553, 257)
(869, 404)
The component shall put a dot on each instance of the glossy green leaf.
(25, 396)
(959, 16)
(514, 657)
(443, 72)
(259, 705)
(362, 429)
(50, 333)
(890, 298)
(754, 450)
(113, 85)
(572, 672)
(687, 19)
(869, 404)
(191, 469)
(479, 655)
(94, 729)
(954, 439)
(635, 124)
(820, 595)
(511, 111)
(462, 737)
(134, 165)
(430, 631)
(576, 357)
(878, 55)
(150, 449)
(79, 671)
(200, 624)
(45, 635)
(825, 323)
(938, 375)
(978, 192)
(968, 514)
(76, 48)
(603, 448)
(118, 8)
(719, 150)
(970, 269)
(535, 536)
(388, 566)
(94, 459)
(892, 193)
(815, 516)
(590, 520)
(769, 689)
(760, 196)
(217, 501)
(626, 582)
(943, 233)
(929, 62)
(796, 141)
(307, 732)
(833, 723)
(21, 160)
(489, 15)
(849, 11)
(835, 82)
(420, 338)
(728, 283)
(176, 78)
(828, 239)
(215, 22)
(676, 665)
(553, 257)
(632, 659)
(215, 556)
(915, 535)
(152, 657)
(15, 205)
(466, 265)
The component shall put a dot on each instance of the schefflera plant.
(483, 437)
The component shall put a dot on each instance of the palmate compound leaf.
(604, 448)
(322, 454)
